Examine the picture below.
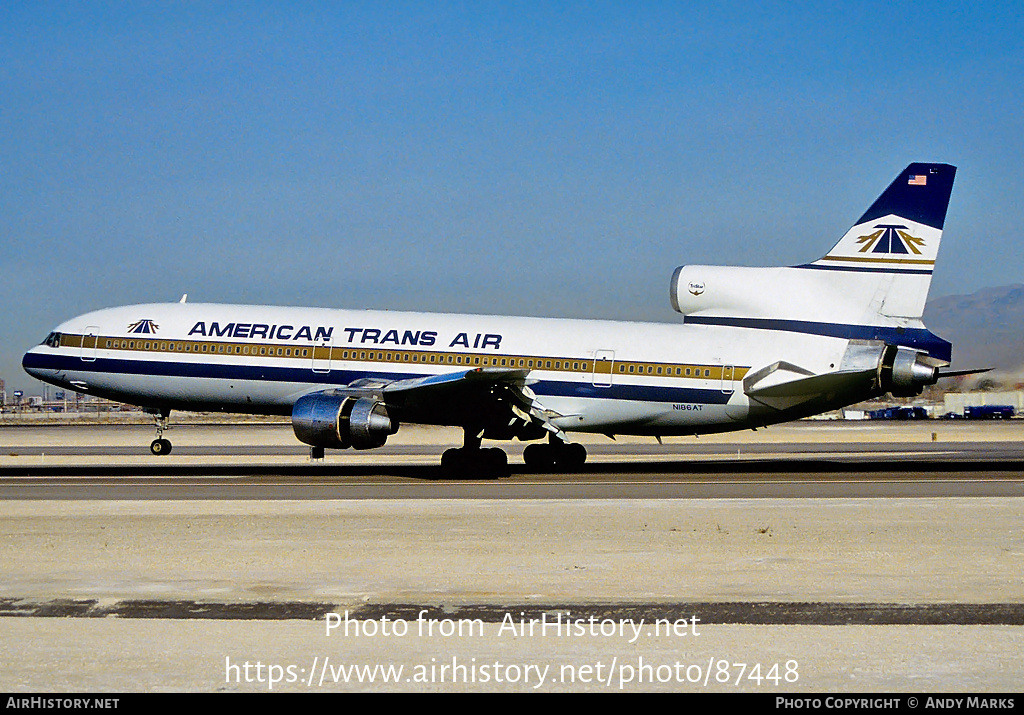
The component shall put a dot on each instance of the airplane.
(756, 346)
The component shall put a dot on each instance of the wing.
(490, 400)
(497, 400)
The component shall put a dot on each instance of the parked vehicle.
(989, 412)
(899, 413)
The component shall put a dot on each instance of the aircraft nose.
(32, 363)
(27, 364)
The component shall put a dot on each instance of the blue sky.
(538, 158)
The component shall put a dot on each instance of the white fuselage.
(598, 376)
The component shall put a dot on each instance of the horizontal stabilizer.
(964, 373)
(783, 386)
(815, 385)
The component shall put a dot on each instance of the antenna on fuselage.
(184, 298)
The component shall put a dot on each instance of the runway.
(852, 558)
(756, 479)
(265, 462)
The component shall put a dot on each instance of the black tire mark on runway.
(767, 613)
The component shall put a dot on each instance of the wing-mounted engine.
(339, 421)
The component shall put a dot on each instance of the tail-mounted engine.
(905, 372)
(323, 419)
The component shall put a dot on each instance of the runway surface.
(848, 557)
(266, 462)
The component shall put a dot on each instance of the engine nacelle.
(905, 372)
(322, 419)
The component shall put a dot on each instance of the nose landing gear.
(161, 446)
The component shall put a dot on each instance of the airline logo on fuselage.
(143, 326)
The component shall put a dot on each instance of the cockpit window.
(52, 340)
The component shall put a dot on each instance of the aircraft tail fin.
(897, 239)
(872, 285)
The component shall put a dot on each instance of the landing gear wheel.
(539, 456)
(160, 447)
(573, 456)
(494, 463)
(555, 456)
(469, 463)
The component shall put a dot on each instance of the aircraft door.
(728, 378)
(89, 340)
(604, 361)
(322, 354)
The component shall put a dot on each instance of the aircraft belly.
(185, 391)
(637, 417)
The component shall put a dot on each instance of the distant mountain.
(986, 328)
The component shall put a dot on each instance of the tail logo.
(891, 238)
(143, 326)
(696, 287)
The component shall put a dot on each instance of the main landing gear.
(471, 461)
(161, 446)
(556, 455)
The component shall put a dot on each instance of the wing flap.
(470, 392)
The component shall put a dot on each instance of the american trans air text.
(353, 336)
